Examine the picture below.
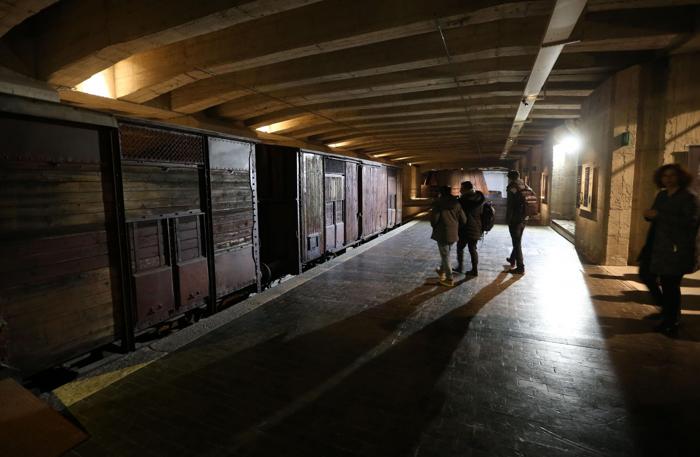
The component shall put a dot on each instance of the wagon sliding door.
(392, 195)
(59, 291)
(234, 219)
(162, 173)
(352, 228)
(374, 199)
(311, 190)
(334, 197)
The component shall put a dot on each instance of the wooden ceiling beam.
(477, 94)
(503, 38)
(315, 29)
(412, 82)
(13, 13)
(78, 38)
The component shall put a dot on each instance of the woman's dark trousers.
(665, 290)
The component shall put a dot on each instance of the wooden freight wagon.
(60, 283)
(314, 204)
(191, 218)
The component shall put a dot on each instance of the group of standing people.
(669, 253)
(459, 220)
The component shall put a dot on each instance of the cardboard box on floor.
(30, 428)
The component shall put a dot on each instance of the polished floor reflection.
(373, 358)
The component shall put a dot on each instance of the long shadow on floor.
(687, 282)
(381, 408)
(690, 302)
(198, 393)
(278, 398)
(658, 376)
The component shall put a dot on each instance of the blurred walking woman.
(669, 251)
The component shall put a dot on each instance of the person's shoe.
(458, 269)
(517, 271)
(472, 272)
(511, 262)
(441, 275)
(668, 328)
(447, 282)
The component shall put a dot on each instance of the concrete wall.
(563, 191)
(651, 126)
(658, 103)
(596, 129)
(682, 104)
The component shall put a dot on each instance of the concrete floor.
(372, 358)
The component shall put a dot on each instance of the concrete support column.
(622, 166)
(649, 148)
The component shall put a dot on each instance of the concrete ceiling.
(424, 81)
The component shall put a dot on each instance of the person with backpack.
(472, 202)
(521, 204)
(446, 216)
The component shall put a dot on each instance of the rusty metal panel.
(229, 155)
(312, 207)
(234, 270)
(191, 269)
(193, 282)
(352, 183)
(155, 299)
(234, 214)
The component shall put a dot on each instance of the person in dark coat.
(446, 216)
(669, 251)
(515, 218)
(472, 202)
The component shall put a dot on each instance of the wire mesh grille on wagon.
(159, 145)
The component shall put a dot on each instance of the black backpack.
(488, 216)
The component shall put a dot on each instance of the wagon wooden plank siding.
(59, 289)
(374, 199)
(334, 196)
(234, 219)
(312, 190)
(162, 174)
(352, 202)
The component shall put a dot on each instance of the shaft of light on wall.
(569, 145)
